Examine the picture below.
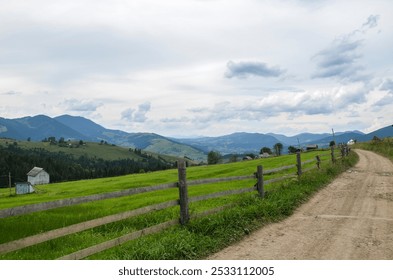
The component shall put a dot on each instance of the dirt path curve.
(351, 218)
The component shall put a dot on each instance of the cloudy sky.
(200, 67)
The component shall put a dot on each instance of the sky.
(187, 68)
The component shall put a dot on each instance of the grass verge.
(204, 236)
(383, 147)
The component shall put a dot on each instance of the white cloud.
(114, 60)
(137, 115)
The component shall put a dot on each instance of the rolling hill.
(40, 127)
(74, 127)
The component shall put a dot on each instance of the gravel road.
(350, 219)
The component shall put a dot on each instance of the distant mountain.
(147, 141)
(91, 130)
(239, 143)
(73, 127)
(339, 138)
(381, 133)
(84, 126)
(344, 137)
(36, 128)
(302, 139)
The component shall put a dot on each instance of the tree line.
(65, 167)
(214, 157)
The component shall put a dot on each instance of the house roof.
(23, 183)
(35, 171)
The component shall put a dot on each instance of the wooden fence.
(183, 202)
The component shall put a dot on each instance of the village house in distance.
(38, 176)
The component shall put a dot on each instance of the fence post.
(260, 187)
(299, 163)
(332, 153)
(318, 158)
(342, 151)
(183, 192)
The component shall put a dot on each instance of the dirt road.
(352, 218)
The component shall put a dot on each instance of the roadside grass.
(207, 234)
(65, 245)
(383, 147)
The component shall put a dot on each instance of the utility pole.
(333, 136)
(9, 181)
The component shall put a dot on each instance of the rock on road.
(350, 219)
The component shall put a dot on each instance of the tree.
(266, 150)
(52, 140)
(332, 143)
(292, 149)
(213, 157)
(278, 148)
(233, 158)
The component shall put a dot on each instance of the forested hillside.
(63, 166)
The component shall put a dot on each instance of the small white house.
(351, 142)
(38, 176)
(24, 187)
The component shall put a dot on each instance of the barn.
(23, 188)
(38, 176)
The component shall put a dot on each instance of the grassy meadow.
(196, 240)
(383, 147)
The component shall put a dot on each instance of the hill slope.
(36, 128)
(74, 127)
(239, 143)
(70, 127)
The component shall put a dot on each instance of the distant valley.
(39, 127)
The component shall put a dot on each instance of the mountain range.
(38, 127)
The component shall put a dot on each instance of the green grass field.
(207, 232)
(383, 147)
(88, 187)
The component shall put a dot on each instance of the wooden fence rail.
(30, 208)
(183, 202)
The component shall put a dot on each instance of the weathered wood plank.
(279, 179)
(308, 161)
(118, 241)
(52, 234)
(183, 192)
(217, 180)
(260, 183)
(21, 210)
(299, 163)
(220, 194)
(275, 170)
(311, 168)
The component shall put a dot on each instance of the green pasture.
(64, 190)
(273, 207)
